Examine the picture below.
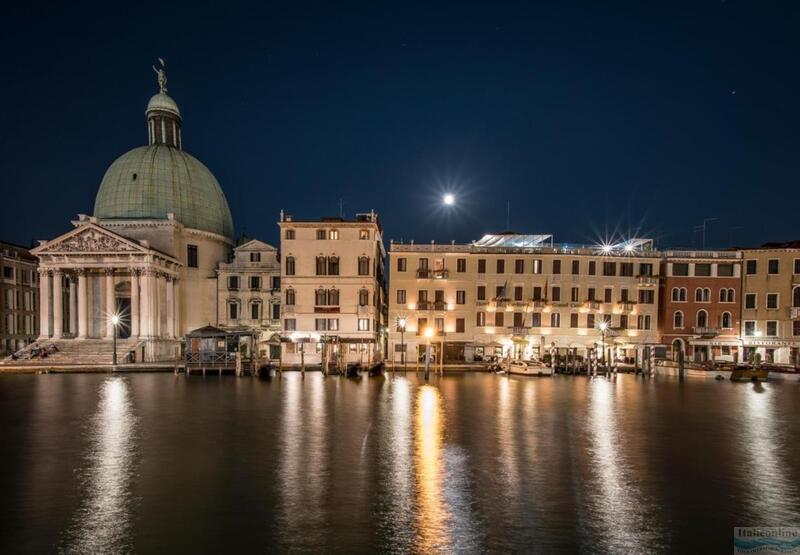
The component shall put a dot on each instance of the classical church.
(149, 254)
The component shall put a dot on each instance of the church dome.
(150, 181)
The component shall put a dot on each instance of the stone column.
(158, 301)
(110, 306)
(170, 301)
(134, 302)
(144, 304)
(83, 321)
(58, 303)
(44, 303)
(73, 305)
(176, 297)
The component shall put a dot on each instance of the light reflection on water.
(102, 524)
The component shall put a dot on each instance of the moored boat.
(528, 368)
(750, 374)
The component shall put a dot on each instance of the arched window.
(723, 295)
(731, 296)
(290, 265)
(675, 294)
(322, 266)
(702, 318)
(320, 298)
(698, 295)
(333, 265)
(706, 295)
(683, 294)
(796, 297)
(726, 321)
(290, 297)
(363, 265)
(333, 297)
(363, 297)
(677, 320)
(677, 347)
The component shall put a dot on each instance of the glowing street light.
(603, 328)
(401, 325)
(115, 324)
(428, 333)
(449, 199)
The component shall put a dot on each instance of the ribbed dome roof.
(162, 101)
(150, 181)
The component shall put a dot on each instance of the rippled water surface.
(469, 463)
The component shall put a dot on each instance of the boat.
(265, 371)
(705, 370)
(528, 368)
(749, 374)
(353, 370)
(376, 369)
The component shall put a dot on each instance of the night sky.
(639, 117)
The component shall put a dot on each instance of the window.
(726, 321)
(609, 268)
(590, 321)
(623, 295)
(536, 319)
(363, 234)
(363, 297)
(401, 296)
(500, 292)
(289, 234)
(576, 267)
(607, 294)
(645, 269)
(537, 266)
(460, 325)
(290, 324)
(702, 295)
(772, 301)
(402, 264)
(498, 319)
(677, 320)
(643, 322)
(501, 266)
(191, 256)
(233, 310)
(590, 294)
(8, 273)
(255, 257)
(461, 296)
(750, 301)
(537, 293)
(574, 294)
(481, 296)
(796, 328)
(796, 297)
(592, 267)
(289, 265)
(702, 319)
(422, 296)
(556, 266)
(573, 320)
(439, 323)
(363, 324)
(255, 283)
(773, 266)
(255, 311)
(276, 311)
(423, 264)
(481, 265)
(518, 319)
(556, 294)
(333, 234)
(518, 293)
(321, 235)
(461, 265)
(555, 320)
(626, 269)
(772, 328)
(480, 319)
(422, 324)
(623, 321)
(749, 328)
(725, 270)
(333, 266)
(702, 270)
(233, 283)
(333, 324)
(321, 324)
(647, 296)
(363, 265)
(290, 297)
(751, 267)
(680, 269)
(519, 266)
(797, 265)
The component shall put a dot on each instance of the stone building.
(160, 228)
(521, 296)
(770, 326)
(19, 282)
(332, 280)
(700, 304)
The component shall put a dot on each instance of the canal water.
(474, 463)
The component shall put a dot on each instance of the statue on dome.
(162, 76)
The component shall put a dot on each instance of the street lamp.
(401, 325)
(603, 327)
(449, 199)
(428, 335)
(115, 324)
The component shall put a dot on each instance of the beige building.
(248, 292)
(332, 280)
(521, 296)
(771, 303)
(19, 283)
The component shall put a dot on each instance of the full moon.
(449, 199)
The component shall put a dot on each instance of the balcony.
(439, 305)
(424, 305)
(424, 273)
(705, 331)
(592, 305)
(648, 281)
(326, 309)
(519, 331)
(481, 302)
(539, 303)
(432, 274)
(626, 306)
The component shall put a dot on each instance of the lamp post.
(114, 325)
(603, 327)
(401, 325)
(428, 335)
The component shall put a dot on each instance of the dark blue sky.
(629, 116)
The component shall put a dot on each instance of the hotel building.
(332, 280)
(19, 283)
(700, 304)
(521, 296)
(770, 325)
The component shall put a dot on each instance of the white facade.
(332, 281)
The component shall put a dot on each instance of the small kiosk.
(218, 350)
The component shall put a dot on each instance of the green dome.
(150, 181)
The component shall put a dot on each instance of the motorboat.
(353, 370)
(528, 368)
(376, 369)
(749, 374)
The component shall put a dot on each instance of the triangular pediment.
(255, 245)
(90, 238)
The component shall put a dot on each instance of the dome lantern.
(163, 115)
